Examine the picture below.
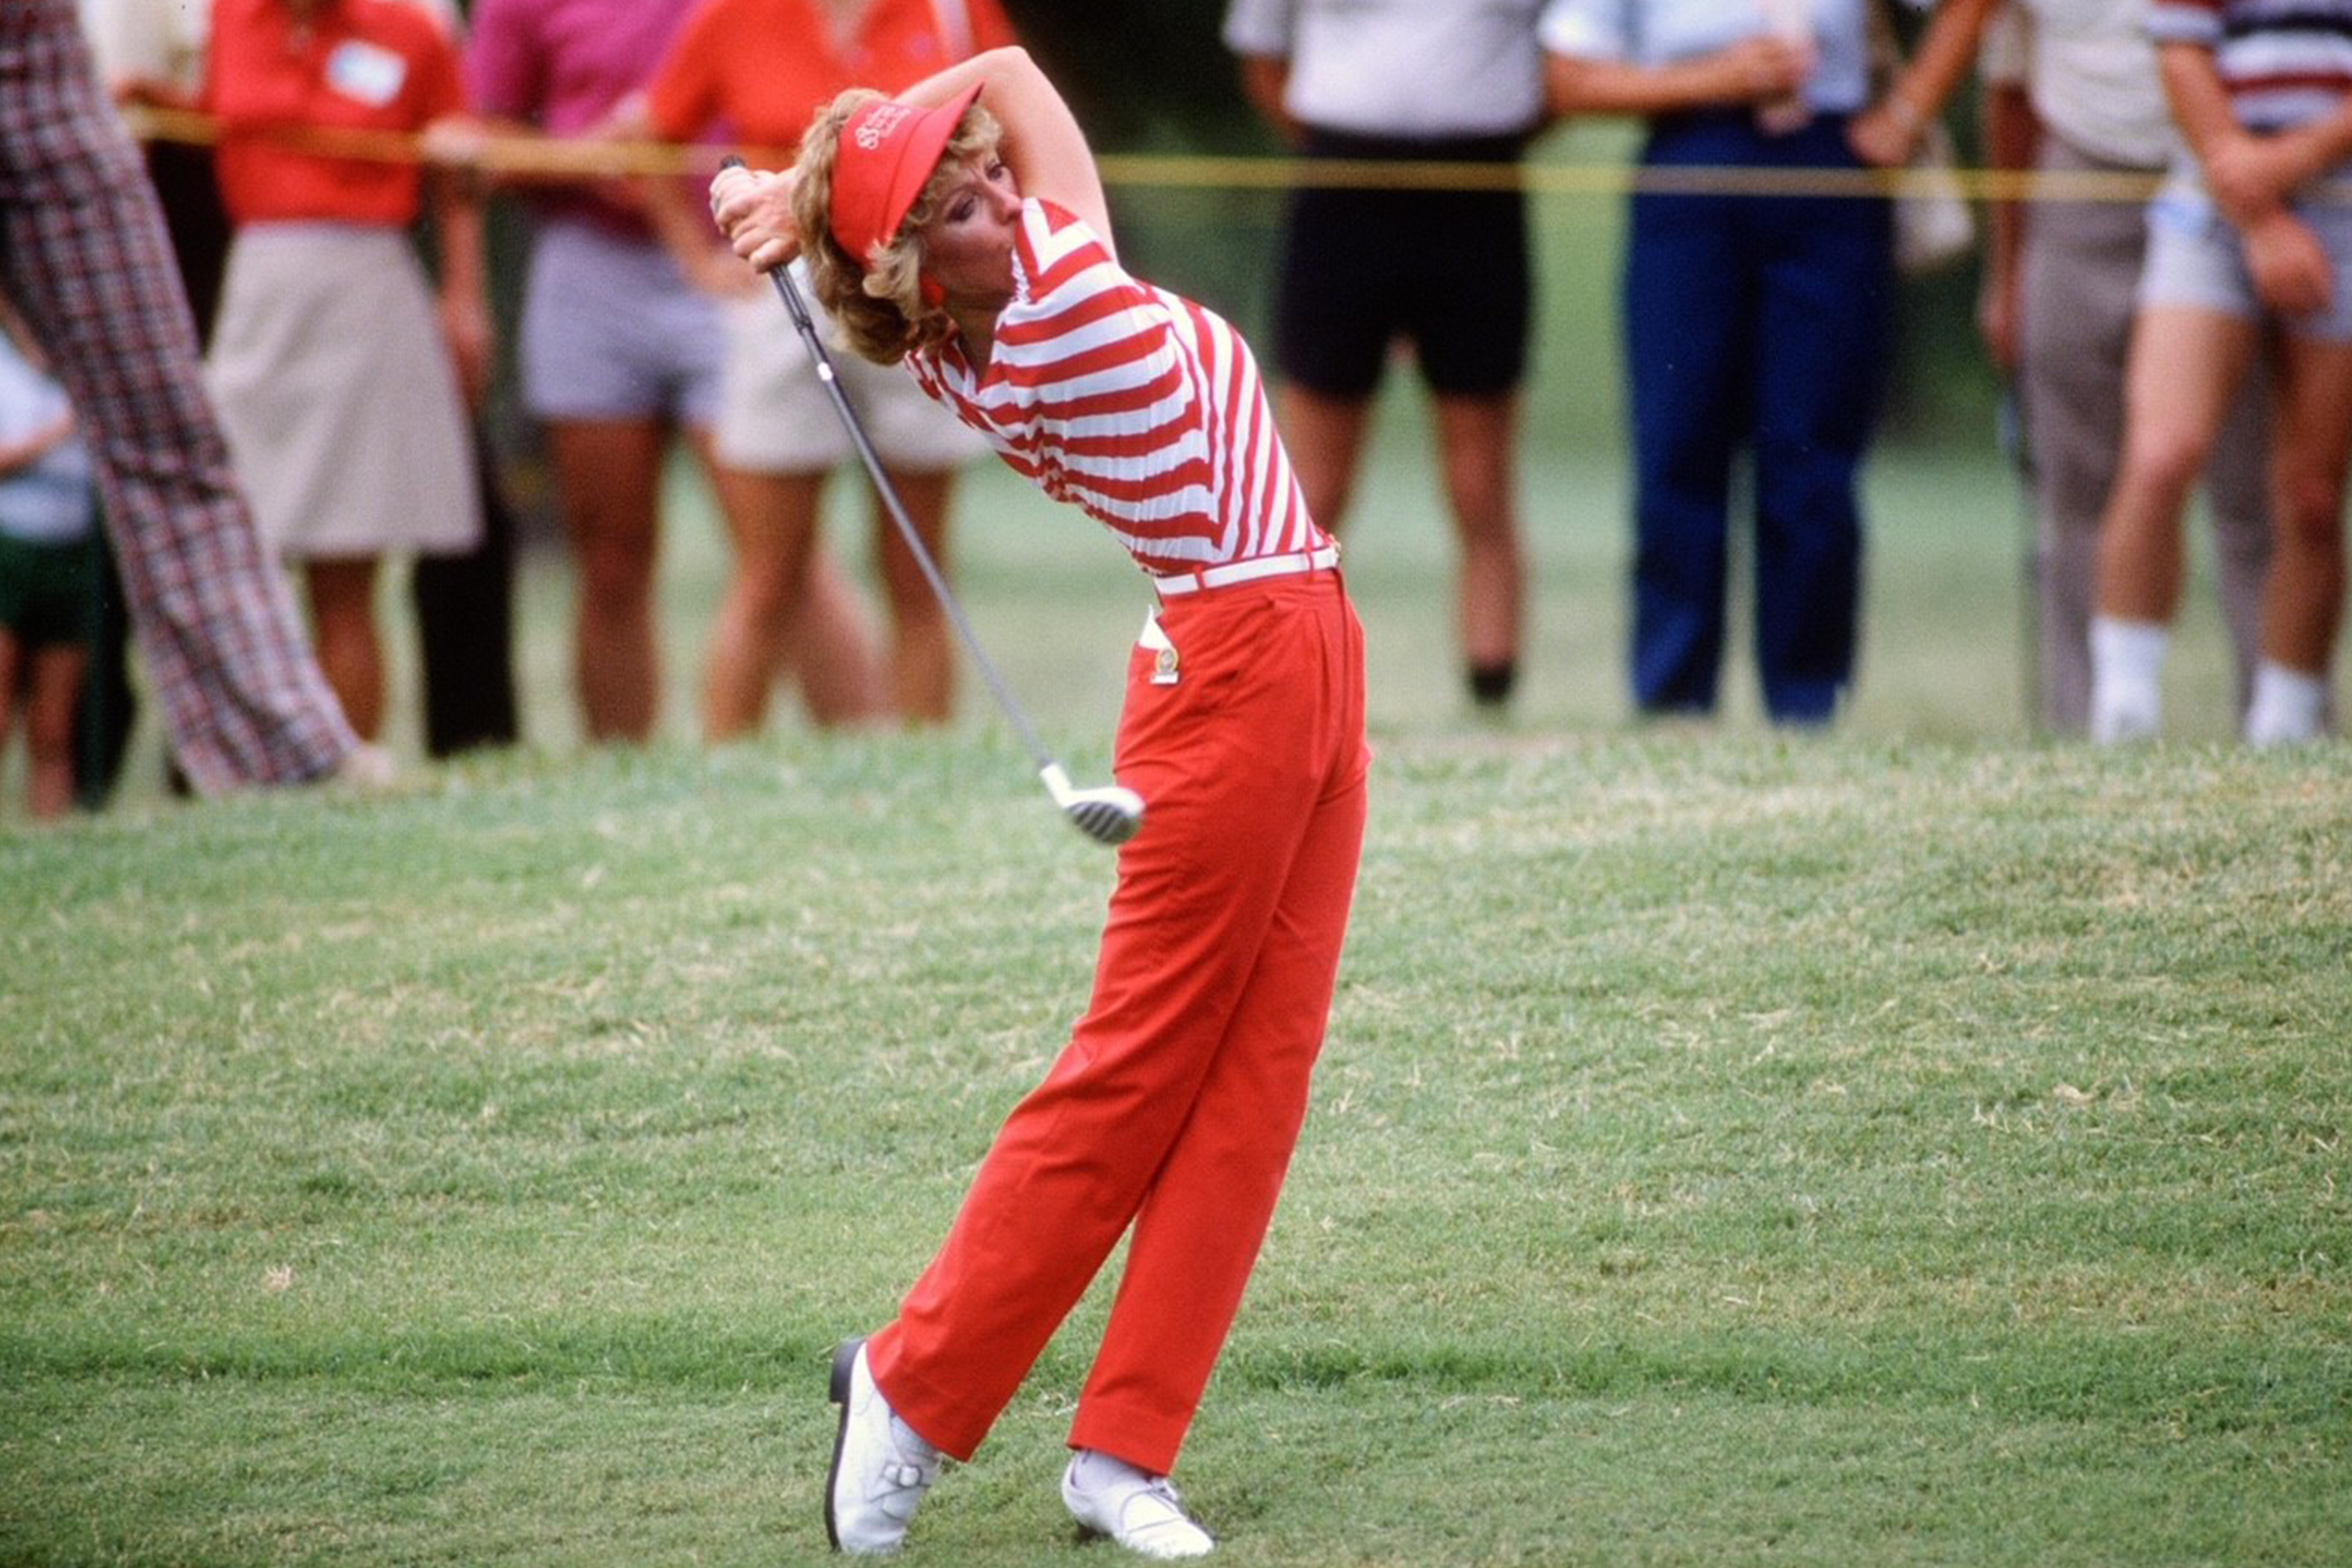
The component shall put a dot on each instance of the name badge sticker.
(366, 73)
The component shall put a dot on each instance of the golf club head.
(1111, 815)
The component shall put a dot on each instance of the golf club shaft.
(801, 318)
(898, 510)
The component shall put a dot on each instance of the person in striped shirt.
(2241, 242)
(962, 228)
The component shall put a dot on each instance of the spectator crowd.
(335, 423)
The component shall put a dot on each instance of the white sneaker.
(881, 1466)
(1139, 1510)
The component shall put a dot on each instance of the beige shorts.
(776, 417)
(2197, 257)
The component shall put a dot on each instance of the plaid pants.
(84, 257)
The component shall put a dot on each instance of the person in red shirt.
(757, 70)
(343, 379)
(962, 229)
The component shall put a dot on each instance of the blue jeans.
(1756, 323)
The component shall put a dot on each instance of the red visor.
(886, 153)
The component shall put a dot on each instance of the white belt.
(1180, 582)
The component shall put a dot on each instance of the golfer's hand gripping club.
(1109, 814)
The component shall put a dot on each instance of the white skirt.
(337, 396)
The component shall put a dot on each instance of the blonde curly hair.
(879, 306)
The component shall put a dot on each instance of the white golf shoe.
(881, 1466)
(1139, 1510)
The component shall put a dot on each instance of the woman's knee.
(617, 569)
(1485, 510)
(49, 732)
(2307, 512)
(765, 594)
(2164, 460)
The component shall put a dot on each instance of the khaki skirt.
(338, 394)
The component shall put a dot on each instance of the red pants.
(1178, 1102)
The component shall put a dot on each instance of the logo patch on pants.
(1164, 660)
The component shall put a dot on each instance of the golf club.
(1109, 814)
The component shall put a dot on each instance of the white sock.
(2287, 706)
(2127, 666)
(1092, 1470)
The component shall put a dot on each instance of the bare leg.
(2184, 370)
(57, 673)
(772, 521)
(922, 650)
(1477, 441)
(2237, 485)
(2303, 599)
(825, 642)
(12, 666)
(829, 649)
(609, 475)
(2185, 366)
(1324, 435)
(343, 614)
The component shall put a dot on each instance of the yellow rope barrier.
(524, 156)
(1597, 179)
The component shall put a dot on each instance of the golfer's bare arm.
(1043, 145)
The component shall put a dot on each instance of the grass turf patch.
(1725, 1150)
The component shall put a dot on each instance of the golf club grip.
(798, 310)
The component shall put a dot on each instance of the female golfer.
(962, 228)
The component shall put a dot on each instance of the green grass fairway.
(1864, 1151)
(1909, 1146)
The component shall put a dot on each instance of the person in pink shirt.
(620, 358)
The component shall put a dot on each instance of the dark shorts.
(1445, 270)
(49, 593)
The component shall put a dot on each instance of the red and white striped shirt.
(1137, 405)
(2285, 62)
